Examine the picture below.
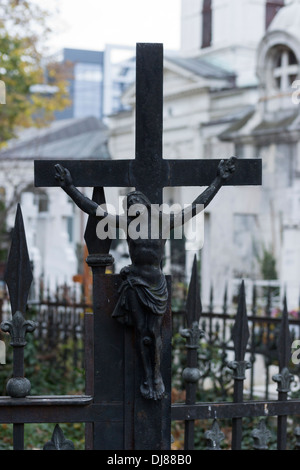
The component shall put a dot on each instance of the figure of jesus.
(143, 294)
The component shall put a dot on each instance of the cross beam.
(148, 172)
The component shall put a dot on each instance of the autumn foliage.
(35, 87)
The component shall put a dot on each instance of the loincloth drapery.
(153, 297)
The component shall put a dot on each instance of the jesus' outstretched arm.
(225, 170)
(63, 176)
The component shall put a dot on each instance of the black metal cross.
(148, 172)
(136, 423)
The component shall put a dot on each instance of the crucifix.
(143, 290)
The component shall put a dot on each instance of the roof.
(238, 122)
(262, 128)
(201, 67)
(193, 65)
(70, 138)
(276, 125)
(287, 19)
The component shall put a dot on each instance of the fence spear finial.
(193, 311)
(193, 304)
(18, 277)
(284, 378)
(284, 338)
(240, 332)
(18, 274)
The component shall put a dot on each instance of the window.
(70, 228)
(285, 68)
(206, 24)
(271, 10)
(41, 200)
(246, 236)
(87, 90)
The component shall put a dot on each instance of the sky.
(90, 24)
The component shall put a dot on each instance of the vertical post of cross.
(149, 120)
(151, 420)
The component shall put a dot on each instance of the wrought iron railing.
(238, 409)
(202, 332)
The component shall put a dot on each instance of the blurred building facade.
(229, 92)
(54, 225)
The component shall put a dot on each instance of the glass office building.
(85, 84)
(97, 81)
(87, 90)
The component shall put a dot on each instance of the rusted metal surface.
(229, 410)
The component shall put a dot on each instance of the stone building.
(230, 92)
(54, 225)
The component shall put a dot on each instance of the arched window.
(272, 8)
(206, 23)
(285, 68)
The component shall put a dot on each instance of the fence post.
(284, 378)
(252, 346)
(240, 336)
(192, 333)
(268, 315)
(18, 277)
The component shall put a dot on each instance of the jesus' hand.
(226, 168)
(63, 176)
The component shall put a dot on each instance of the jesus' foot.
(147, 389)
(151, 392)
(159, 388)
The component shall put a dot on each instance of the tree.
(268, 265)
(23, 31)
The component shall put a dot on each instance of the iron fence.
(237, 353)
(60, 328)
(219, 348)
(216, 348)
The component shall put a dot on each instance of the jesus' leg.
(155, 322)
(144, 343)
